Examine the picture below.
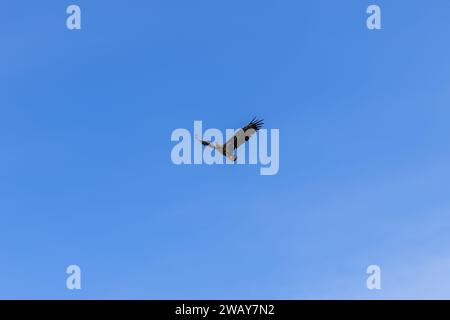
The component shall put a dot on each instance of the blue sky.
(86, 176)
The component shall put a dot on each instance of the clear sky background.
(86, 176)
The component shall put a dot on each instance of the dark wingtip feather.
(255, 124)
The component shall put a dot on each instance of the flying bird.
(241, 136)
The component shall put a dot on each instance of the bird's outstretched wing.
(242, 135)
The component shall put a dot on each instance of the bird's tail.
(204, 142)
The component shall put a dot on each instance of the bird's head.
(232, 157)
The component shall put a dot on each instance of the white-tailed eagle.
(239, 137)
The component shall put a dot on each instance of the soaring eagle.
(239, 137)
